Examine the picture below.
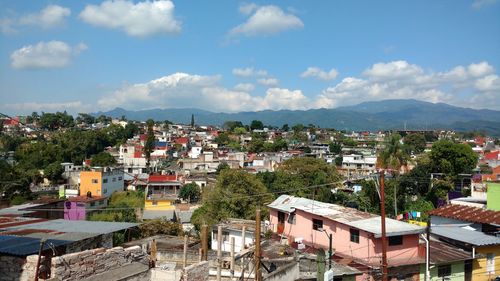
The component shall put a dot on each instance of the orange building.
(101, 182)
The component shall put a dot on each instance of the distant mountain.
(377, 115)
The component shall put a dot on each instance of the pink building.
(356, 234)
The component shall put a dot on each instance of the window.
(95, 181)
(281, 217)
(92, 204)
(354, 235)
(490, 263)
(155, 202)
(104, 180)
(120, 178)
(395, 240)
(317, 224)
(105, 191)
(291, 218)
(444, 271)
(114, 179)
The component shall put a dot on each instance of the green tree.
(237, 194)
(452, 158)
(190, 192)
(150, 142)
(285, 128)
(53, 171)
(85, 118)
(103, 159)
(160, 227)
(394, 155)
(231, 125)
(335, 147)
(256, 125)
(222, 166)
(415, 142)
(192, 120)
(222, 139)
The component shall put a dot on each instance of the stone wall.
(196, 272)
(73, 266)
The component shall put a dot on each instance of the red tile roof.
(466, 213)
(491, 155)
(162, 178)
(181, 140)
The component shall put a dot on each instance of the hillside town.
(99, 198)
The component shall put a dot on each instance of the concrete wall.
(457, 272)
(196, 272)
(226, 243)
(479, 265)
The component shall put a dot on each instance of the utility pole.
(382, 220)
(204, 242)
(184, 257)
(232, 259)
(219, 253)
(258, 276)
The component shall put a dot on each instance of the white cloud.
(141, 20)
(478, 4)
(248, 8)
(278, 98)
(270, 82)
(52, 54)
(249, 72)
(50, 16)
(267, 20)
(245, 87)
(488, 83)
(71, 107)
(392, 70)
(319, 73)
(480, 69)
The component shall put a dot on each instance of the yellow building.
(161, 192)
(101, 182)
(472, 229)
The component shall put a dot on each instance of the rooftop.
(24, 246)
(76, 226)
(348, 216)
(443, 253)
(467, 213)
(465, 235)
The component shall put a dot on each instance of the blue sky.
(228, 56)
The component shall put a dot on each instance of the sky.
(232, 56)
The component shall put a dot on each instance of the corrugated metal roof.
(18, 209)
(349, 216)
(467, 213)
(443, 253)
(77, 226)
(24, 246)
(461, 234)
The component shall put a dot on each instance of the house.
(358, 165)
(474, 230)
(101, 182)
(161, 192)
(77, 208)
(356, 235)
(243, 232)
(446, 262)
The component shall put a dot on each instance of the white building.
(234, 228)
(358, 165)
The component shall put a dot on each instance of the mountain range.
(374, 115)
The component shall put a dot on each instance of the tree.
(237, 194)
(256, 125)
(239, 130)
(394, 155)
(160, 226)
(452, 158)
(192, 120)
(335, 147)
(85, 118)
(150, 142)
(231, 125)
(53, 171)
(222, 139)
(103, 159)
(285, 128)
(190, 192)
(415, 142)
(222, 166)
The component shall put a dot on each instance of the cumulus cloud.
(402, 80)
(478, 4)
(248, 8)
(245, 87)
(270, 82)
(249, 72)
(49, 17)
(180, 90)
(71, 107)
(52, 54)
(266, 20)
(319, 73)
(142, 19)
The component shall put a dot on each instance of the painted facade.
(161, 192)
(101, 183)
